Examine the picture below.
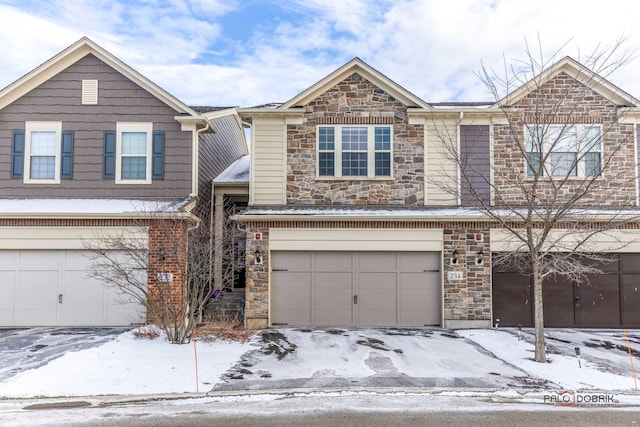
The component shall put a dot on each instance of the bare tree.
(169, 274)
(563, 168)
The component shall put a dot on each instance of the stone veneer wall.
(564, 100)
(356, 101)
(468, 300)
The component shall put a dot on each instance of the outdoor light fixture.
(258, 257)
(454, 257)
(479, 257)
(162, 254)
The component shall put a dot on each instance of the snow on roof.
(237, 172)
(364, 212)
(427, 213)
(10, 207)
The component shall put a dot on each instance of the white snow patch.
(128, 365)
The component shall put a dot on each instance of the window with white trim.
(42, 152)
(133, 153)
(564, 150)
(354, 151)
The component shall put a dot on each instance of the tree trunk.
(538, 314)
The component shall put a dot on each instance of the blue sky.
(250, 52)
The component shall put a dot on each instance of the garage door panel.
(418, 262)
(377, 282)
(332, 302)
(512, 299)
(7, 289)
(293, 290)
(630, 299)
(333, 261)
(39, 260)
(8, 260)
(377, 262)
(377, 317)
(291, 261)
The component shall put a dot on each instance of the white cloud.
(431, 47)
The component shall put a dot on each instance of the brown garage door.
(610, 300)
(355, 288)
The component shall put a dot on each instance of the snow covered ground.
(130, 366)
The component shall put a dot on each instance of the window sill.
(567, 178)
(41, 181)
(355, 178)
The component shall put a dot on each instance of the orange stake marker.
(195, 354)
(633, 371)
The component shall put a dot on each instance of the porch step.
(229, 305)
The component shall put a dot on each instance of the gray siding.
(217, 151)
(475, 164)
(119, 99)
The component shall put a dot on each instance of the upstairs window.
(564, 150)
(42, 152)
(133, 153)
(354, 151)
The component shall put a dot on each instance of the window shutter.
(157, 170)
(109, 160)
(66, 155)
(17, 154)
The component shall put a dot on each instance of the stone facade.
(257, 278)
(563, 100)
(355, 101)
(469, 298)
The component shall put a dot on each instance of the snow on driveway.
(603, 365)
(290, 358)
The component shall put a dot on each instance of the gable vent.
(89, 92)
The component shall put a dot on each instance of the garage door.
(610, 300)
(355, 288)
(51, 288)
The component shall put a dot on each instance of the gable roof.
(580, 73)
(356, 65)
(73, 54)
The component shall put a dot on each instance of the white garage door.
(51, 288)
(355, 288)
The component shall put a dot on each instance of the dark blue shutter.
(109, 160)
(66, 155)
(17, 154)
(157, 169)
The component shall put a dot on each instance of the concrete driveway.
(314, 358)
(28, 348)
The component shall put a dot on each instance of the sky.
(251, 52)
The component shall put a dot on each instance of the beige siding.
(441, 173)
(70, 238)
(354, 240)
(609, 241)
(268, 162)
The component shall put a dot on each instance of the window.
(360, 151)
(564, 150)
(42, 152)
(133, 153)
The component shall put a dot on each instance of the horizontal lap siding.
(268, 172)
(441, 173)
(119, 99)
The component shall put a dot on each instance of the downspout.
(196, 161)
